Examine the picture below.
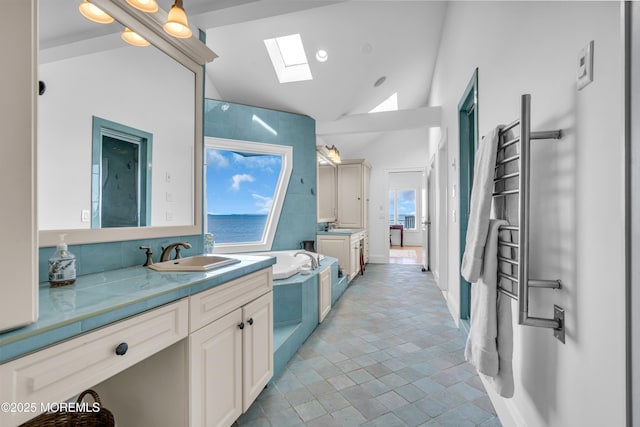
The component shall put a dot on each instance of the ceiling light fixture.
(334, 154)
(177, 24)
(322, 55)
(379, 81)
(149, 6)
(133, 38)
(94, 13)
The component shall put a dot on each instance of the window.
(289, 58)
(402, 208)
(244, 191)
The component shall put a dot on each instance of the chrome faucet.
(314, 263)
(166, 252)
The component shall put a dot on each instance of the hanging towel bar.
(521, 280)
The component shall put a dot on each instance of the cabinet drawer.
(210, 305)
(63, 370)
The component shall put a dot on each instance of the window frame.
(282, 185)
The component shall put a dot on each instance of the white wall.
(407, 149)
(137, 87)
(577, 200)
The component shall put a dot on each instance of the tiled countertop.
(99, 299)
(342, 231)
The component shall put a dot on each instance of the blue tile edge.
(29, 339)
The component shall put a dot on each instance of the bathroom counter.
(99, 299)
(342, 231)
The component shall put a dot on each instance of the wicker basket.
(102, 418)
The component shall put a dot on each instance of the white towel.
(490, 343)
(502, 382)
(481, 194)
(482, 347)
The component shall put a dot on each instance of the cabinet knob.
(122, 348)
(250, 321)
(241, 325)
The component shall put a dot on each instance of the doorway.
(406, 194)
(468, 131)
(121, 176)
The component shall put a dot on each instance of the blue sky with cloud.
(240, 184)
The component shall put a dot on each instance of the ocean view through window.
(245, 185)
(402, 208)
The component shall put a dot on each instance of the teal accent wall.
(235, 121)
(99, 257)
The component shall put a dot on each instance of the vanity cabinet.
(230, 348)
(345, 247)
(353, 193)
(327, 205)
(58, 372)
(337, 246)
(324, 294)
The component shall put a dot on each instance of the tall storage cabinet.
(353, 194)
(327, 177)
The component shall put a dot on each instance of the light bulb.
(177, 24)
(94, 13)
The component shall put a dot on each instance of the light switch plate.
(585, 66)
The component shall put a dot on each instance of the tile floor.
(405, 255)
(388, 354)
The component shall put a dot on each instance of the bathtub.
(287, 263)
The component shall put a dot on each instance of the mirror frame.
(191, 53)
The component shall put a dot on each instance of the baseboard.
(506, 409)
(453, 310)
(377, 259)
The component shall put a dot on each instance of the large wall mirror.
(118, 126)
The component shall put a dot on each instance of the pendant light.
(334, 154)
(149, 6)
(177, 24)
(94, 13)
(133, 38)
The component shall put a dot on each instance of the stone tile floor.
(388, 354)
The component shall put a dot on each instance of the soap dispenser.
(62, 266)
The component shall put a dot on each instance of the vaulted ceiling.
(365, 40)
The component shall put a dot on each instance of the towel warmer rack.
(506, 176)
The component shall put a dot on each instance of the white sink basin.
(194, 263)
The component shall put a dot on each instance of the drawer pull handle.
(250, 321)
(241, 325)
(122, 348)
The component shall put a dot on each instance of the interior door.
(424, 219)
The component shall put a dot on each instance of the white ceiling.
(365, 41)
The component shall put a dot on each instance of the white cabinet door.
(336, 247)
(326, 193)
(258, 347)
(215, 370)
(324, 293)
(355, 259)
(350, 195)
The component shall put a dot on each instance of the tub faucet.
(166, 252)
(314, 263)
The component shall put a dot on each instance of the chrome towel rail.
(519, 259)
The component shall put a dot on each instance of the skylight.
(389, 104)
(288, 58)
